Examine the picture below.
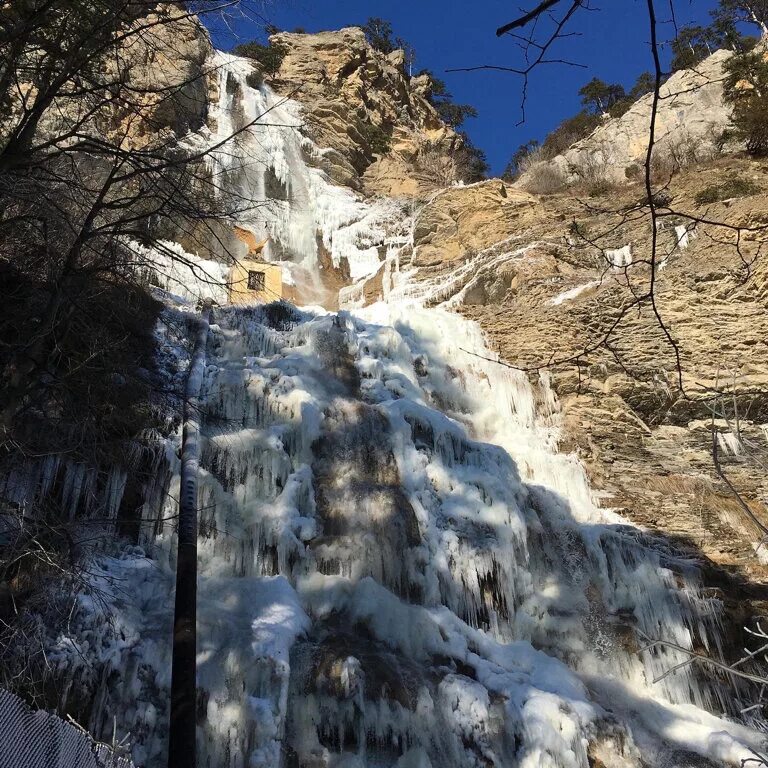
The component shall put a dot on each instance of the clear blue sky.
(449, 34)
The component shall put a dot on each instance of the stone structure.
(252, 281)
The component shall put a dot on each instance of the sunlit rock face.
(351, 94)
(459, 222)
(166, 66)
(690, 122)
(164, 69)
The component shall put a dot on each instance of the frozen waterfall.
(397, 568)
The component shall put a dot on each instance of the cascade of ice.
(397, 567)
(269, 173)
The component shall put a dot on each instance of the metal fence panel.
(39, 739)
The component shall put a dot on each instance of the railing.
(39, 739)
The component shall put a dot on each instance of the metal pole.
(182, 734)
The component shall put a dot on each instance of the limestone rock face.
(380, 132)
(164, 85)
(690, 119)
(165, 68)
(461, 221)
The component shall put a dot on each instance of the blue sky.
(447, 34)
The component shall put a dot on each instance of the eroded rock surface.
(380, 132)
(690, 120)
(461, 221)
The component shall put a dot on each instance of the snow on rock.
(186, 276)
(572, 293)
(683, 236)
(619, 257)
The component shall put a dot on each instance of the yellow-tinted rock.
(378, 130)
(461, 221)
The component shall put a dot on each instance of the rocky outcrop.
(690, 121)
(164, 67)
(151, 89)
(462, 221)
(379, 131)
(168, 63)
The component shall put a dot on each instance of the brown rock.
(462, 221)
(360, 105)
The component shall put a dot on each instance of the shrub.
(377, 139)
(521, 160)
(545, 179)
(270, 57)
(733, 186)
(661, 199)
(746, 88)
(255, 79)
(435, 163)
(679, 152)
(281, 315)
(593, 171)
(470, 161)
(601, 187)
(620, 107)
(569, 132)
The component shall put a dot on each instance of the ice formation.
(268, 172)
(397, 567)
(572, 293)
(619, 258)
(683, 236)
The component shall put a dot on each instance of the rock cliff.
(380, 132)
(399, 553)
(546, 277)
(690, 122)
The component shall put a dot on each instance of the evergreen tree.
(746, 88)
(378, 32)
(693, 44)
(598, 97)
(270, 57)
(442, 100)
(644, 84)
(732, 12)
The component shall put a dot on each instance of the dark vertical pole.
(182, 735)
